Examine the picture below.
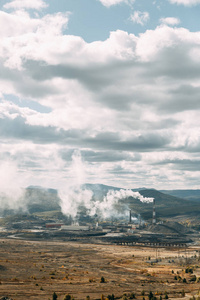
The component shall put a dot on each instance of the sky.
(114, 82)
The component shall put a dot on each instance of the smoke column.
(74, 195)
(109, 206)
(11, 193)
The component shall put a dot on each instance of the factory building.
(75, 228)
(54, 225)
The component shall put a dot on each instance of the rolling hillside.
(43, 200)
(193, 195)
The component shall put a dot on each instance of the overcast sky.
(116, 81)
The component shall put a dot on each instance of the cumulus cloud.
(109, 3)
(140, 17)
(25, 4)
(118, 100)
(181, 164)
(170, 21)
(185, 2)
(101, 156)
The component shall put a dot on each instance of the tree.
(150, 295)
(55, 296)
(102, 280)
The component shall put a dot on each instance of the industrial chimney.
(130, 217)
(154, 212)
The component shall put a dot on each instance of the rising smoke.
(110, 204)
(75, 195)
(11, 193)
(72, 196)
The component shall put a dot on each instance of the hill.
(193, 195)
(39, 200)
(166, 205)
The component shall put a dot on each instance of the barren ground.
(34, 270)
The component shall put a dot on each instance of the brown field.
(34, 270)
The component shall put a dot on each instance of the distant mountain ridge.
(190, 194)
(39, 199)
(166, 205)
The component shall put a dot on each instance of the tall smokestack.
(130, 216)
(140, 220)
(154, 211)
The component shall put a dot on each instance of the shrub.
(111, 297)
(150, 295)
(132, 296)
(55, 296)
(102, 280)
(52, 273)
(143, 293)
(183, 293)
(189, 270)
(193, 278)
(67, 297)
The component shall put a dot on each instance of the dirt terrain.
(35, 270)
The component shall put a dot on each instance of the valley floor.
(37, 269)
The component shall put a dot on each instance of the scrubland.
(37, 269)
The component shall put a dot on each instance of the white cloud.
(140, 17)
(22, 35)
(170, 21)
(109, 3)
(25, 4)
(186, 2)
(126, 94)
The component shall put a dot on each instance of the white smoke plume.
(110, 204)
(74, 195)
(11, 192)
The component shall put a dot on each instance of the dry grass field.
(35, 270)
